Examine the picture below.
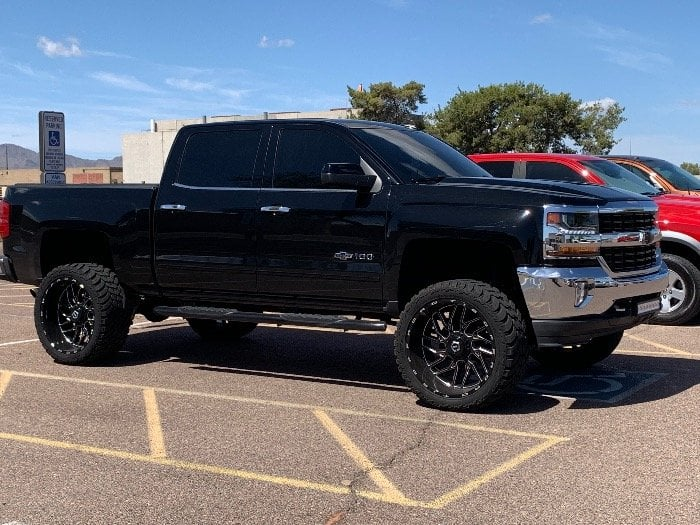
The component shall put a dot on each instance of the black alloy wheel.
(81, 313)
(460, 344)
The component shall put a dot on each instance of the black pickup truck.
(348, 224)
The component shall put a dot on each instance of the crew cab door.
(205, 214)
(315, 240)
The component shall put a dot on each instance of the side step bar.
(279, 319)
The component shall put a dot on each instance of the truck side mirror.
(346, 175)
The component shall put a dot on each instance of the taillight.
(4, 219)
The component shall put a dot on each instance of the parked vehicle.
(663, 174)
(345, 224)
(679, 217)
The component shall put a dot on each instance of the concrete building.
(113, 175)
(144, 154)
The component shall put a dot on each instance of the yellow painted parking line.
(185, 465)
(5, 377)
(26, 305)
(155, 429)
(667, 348)
(284, 404)
(389, 492)
(474, 484)
(359, 457)
(25, 341)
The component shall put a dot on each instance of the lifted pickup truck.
(346, 224)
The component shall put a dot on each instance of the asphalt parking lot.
(310, 426)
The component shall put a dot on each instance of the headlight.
(573, 221)
(571, 234)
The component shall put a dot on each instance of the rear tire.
(680, 302)
(460, 344)
(578, 356)
(212, 330)
(81, 313)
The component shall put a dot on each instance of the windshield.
(619, 177)
(676, 175)
(415, 156)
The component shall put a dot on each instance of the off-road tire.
(680, 302)
(81, 313)
(461, 344)
(212, 330)
(577, 357)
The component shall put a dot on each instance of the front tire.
(576, 357)
(460, 344)
(81, 313)
(680, 302)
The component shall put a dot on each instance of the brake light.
(4, 219)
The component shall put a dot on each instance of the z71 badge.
(346, 256)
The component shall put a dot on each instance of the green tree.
(525, 117)
(598, 123)
(385, 102)
(691, 167)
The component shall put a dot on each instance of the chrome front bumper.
(560, 293)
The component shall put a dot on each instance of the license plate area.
(645, 307)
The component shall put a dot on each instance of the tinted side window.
(302, 153)
(551, 171)
(220, 159)
(499, 168)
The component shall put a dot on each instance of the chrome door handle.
(176, 207)
(276, 209)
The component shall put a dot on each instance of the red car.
(679, 216)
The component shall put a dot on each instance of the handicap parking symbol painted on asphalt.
(603, 387)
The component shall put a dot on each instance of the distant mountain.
(17, 157)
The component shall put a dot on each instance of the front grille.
(629, 258)
(626, 221)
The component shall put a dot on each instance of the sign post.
(52, 147)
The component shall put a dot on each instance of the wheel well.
(428, 261)
(681, 250)
(65, 247)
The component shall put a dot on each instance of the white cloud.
(71, 47)
(24, 69)
(268, 43)
(544, 18)
(604, 103)
(122, 81)
(640, 60)
(189, 85)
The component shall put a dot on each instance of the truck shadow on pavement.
(367, 361)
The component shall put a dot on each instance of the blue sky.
(113, 66)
